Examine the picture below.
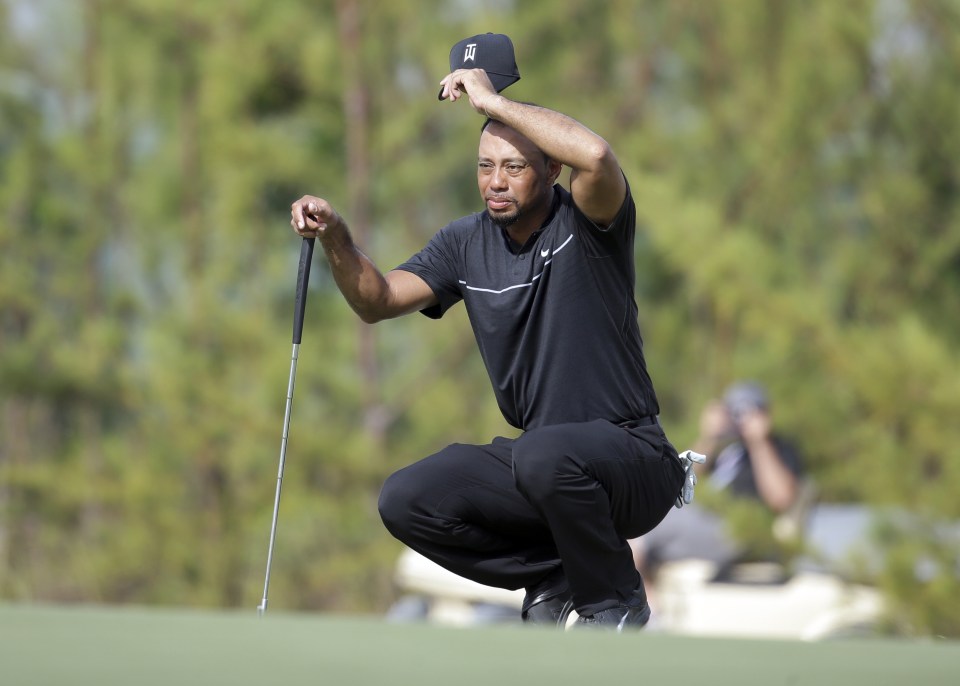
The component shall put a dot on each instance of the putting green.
(76, 646)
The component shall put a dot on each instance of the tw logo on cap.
(470, 53)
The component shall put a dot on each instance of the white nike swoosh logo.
(544, 253)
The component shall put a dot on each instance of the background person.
(746, 459)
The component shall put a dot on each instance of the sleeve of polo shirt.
(436, 265)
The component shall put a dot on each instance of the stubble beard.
(506, 219)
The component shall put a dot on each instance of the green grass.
(76, 646)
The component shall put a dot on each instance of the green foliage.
(923, 555)
(795, 166)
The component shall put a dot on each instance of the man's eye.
(514, 168)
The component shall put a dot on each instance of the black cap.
(492, 52)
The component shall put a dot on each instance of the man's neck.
(521, 231)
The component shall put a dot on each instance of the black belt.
(649, 420)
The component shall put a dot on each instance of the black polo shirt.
(555, 320)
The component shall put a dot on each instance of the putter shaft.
(283, 456)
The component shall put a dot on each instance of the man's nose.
(498, 179)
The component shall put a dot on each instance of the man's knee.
(395, 503)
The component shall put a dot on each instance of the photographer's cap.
(745, 396)
(492, 52)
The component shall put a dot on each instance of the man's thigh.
(472, 483)
(637, 468)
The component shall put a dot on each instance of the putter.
(303, 276)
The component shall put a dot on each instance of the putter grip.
(303, 277)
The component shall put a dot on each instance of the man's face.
(514, 176)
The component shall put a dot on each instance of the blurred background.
(796, 165)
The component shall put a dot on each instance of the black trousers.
(511, 513)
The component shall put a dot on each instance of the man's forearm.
(371, 294)
(360, 281)
(560, 137)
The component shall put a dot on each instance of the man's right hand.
(312, 217)
(474, 83)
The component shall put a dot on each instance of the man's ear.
(553, 170)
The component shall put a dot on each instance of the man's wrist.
(336, 235)
(492, 104)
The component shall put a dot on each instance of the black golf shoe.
(548, 603)
(630, 615)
